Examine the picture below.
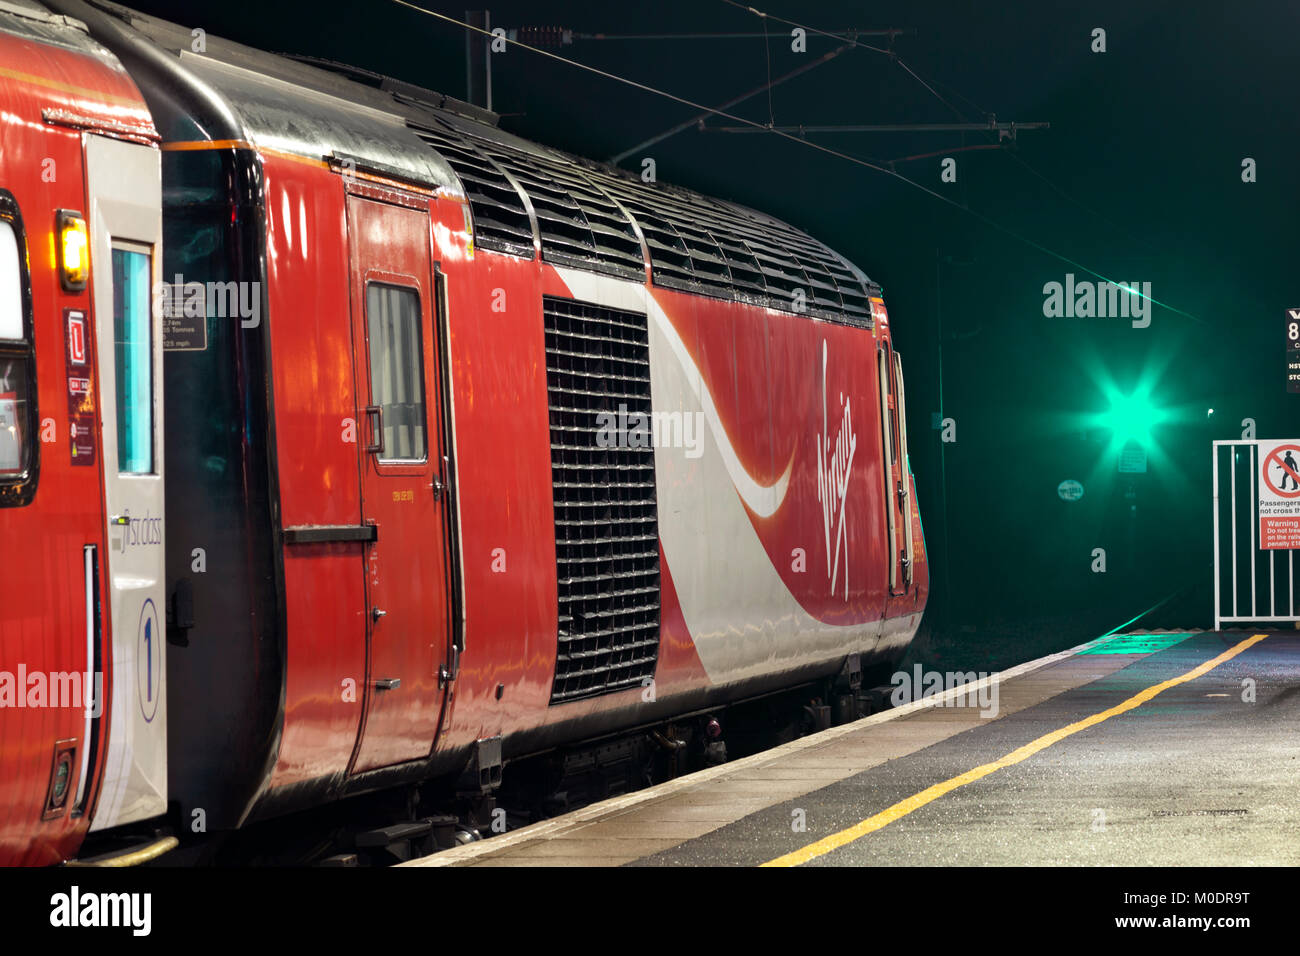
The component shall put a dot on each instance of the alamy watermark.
(972, 689)
(40, 689)
(221, 300)
(78, 908)
(1101, 300)
(628, 429)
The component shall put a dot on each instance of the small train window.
(133, 358)
(396, 371)
(19, 449)
(11, 284)
(14, 446)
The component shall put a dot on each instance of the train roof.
(32, 21)
(76, 82)
(523, 196)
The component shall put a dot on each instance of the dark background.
(1138, 179)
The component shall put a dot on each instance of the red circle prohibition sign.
(1275, 458)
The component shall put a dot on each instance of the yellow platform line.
(916, 801)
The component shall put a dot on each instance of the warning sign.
(1133, 459)
(82, 425)
(1279, 495)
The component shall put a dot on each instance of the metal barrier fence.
(1233, 567)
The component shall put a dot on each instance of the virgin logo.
(834, 466)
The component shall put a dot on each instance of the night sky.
(1139, 179)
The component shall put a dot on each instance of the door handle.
(388, 683)
(439, 485)
(376, 427)
(377, 613)
(448, 674)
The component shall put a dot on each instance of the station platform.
(1140, 749)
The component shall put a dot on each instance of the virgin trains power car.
(349, 443)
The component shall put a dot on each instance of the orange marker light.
(74, 251)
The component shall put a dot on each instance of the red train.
(358, 443)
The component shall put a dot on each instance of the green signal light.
(1129, 423)
(1131, 418)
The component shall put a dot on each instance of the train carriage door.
(897, 481)
(403, 475)
(125, 225)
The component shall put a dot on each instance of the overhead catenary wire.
(885, 170)
(840, 35)
(698, 119)
(802, 128)
(1071, 199)
(991, 122)
(866, 46)
(767, 54)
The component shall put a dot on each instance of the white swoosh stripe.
(740, 613)
(763, 500)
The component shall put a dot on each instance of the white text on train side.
(833, 470)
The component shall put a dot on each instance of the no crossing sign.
(1279, 495)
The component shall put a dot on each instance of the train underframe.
(493, 795)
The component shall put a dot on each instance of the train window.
(902, 414)
(895, 415)
(11, 284)
(886, 416)
(133, 358)
(14, 444)
(396, 370)
(16, 440)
